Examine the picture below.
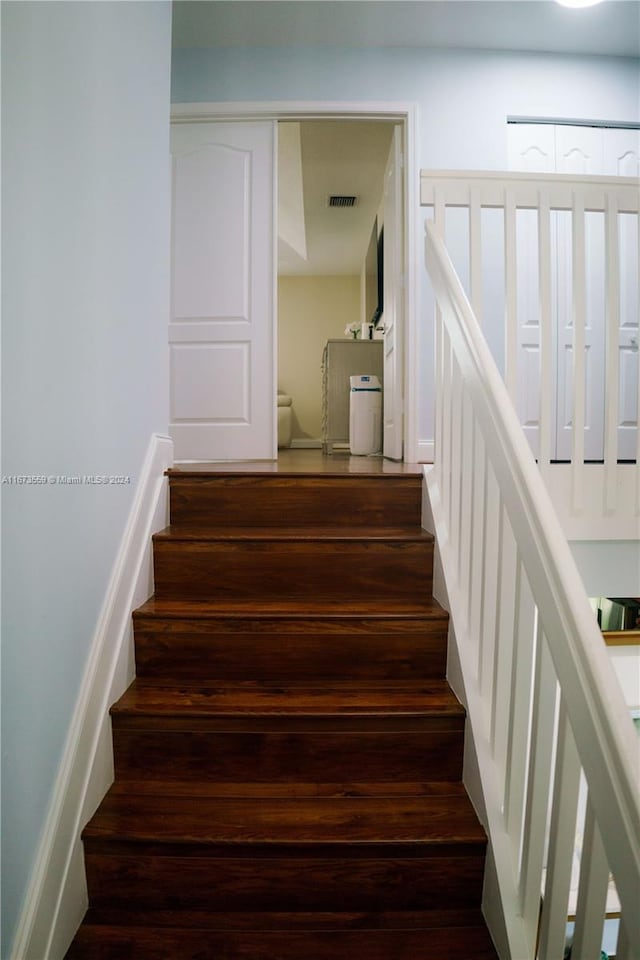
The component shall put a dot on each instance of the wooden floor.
(304, 461)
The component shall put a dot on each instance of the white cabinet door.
(393, 256)
(221, 333)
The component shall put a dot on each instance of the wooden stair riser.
(327, 570)
(242, 882)
(322, 756)
(104, 943)
(295, 501)
(282, 650)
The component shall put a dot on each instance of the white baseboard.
(56, 897)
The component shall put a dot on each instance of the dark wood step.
(155, 943)
(384, 731)
(195, 642)
(278, 564)
(271, 499)
(289, 789)
(320, 826)
(365, 703)
(199, 853)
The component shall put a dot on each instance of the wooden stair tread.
(149, 943)
(421, 698)
(335, 468)
(379, 823)
(294, 608)
(289, 789)
(291, 920)
(178, 532)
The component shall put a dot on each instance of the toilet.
(285, 416)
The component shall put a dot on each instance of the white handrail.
(557, 626)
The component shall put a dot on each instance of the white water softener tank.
(365, 415)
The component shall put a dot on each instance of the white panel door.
(221, 333)
(622, 159)
(392, 317)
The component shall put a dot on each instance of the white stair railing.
(564, 270)
(543, 704)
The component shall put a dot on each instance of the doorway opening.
(224, 317)
(331, 219)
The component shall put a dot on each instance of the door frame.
(403, 112)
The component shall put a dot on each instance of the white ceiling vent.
(340, 200)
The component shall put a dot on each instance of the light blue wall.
(463, 97)
(85, 226)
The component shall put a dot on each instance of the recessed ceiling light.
(578, 3)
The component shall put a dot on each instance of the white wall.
(464, 98)
(85, 226)
(310, 311)
(609, 568)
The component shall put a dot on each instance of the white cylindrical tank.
(365, 415)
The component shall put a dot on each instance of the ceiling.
(344, 157)
(611, 28)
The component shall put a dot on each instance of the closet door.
(221, 334)
(622, 159)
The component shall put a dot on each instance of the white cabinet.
(343, 359)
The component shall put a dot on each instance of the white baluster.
(520, 708)
(511, 295)
(612, 253)
(623, 947)
(475, 252)
(579, 320)
(546, 337)
(479, 536)
(467, 481)
(537, 803)
(492, 564)
(553, 921)
(592, 891)
(456, 459)
(504, 645)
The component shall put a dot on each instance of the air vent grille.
(339, 200)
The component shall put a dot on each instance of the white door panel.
(392, 317)
(221, 331)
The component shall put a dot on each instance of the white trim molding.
(405, 112)
(56, 897)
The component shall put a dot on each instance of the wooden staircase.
(288, 760)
